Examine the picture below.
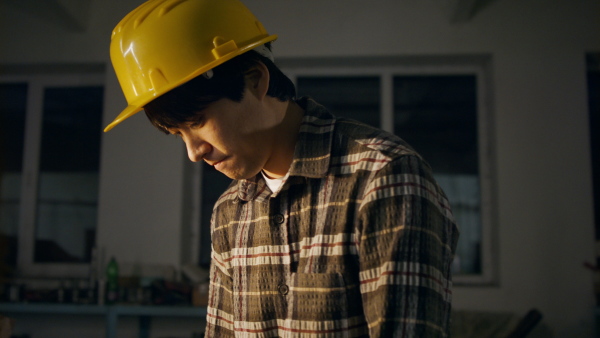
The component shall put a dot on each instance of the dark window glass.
(437, 115)
(67, 197)
(13, 101)
(352, 97)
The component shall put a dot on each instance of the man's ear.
(257, 80)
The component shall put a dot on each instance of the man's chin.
(240, 175)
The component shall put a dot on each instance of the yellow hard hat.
(164, 43)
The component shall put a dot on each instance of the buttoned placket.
(279, 225)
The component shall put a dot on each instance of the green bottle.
(112, 281)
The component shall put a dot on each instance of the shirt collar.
(313, 149)
(312, 154)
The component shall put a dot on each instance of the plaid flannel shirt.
(357, 242)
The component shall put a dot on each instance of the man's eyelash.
(196, 122)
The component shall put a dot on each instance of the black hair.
(182, 104)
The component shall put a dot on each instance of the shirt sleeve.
(407, 241)
(219, 318)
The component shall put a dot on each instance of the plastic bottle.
(112, 281)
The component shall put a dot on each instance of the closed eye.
(174, 132)
(197, 122)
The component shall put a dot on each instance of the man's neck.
(287, 134)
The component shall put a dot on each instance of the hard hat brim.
(127, 112)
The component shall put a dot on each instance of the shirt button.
(278, 218)
(283, 289)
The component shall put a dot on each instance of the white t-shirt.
(274, 183)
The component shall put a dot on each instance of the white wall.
(540, 112)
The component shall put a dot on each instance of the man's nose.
(197, 150)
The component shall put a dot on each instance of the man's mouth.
(217, 164)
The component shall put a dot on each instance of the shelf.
(43, 308)
(111, 312)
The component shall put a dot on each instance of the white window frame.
(386, 69)
(36, 84)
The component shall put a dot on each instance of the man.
(330, 227)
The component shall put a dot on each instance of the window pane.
(13, 99)
(437, 115)
(68, 175)
(352, 97)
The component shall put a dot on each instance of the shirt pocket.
(319, 298)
